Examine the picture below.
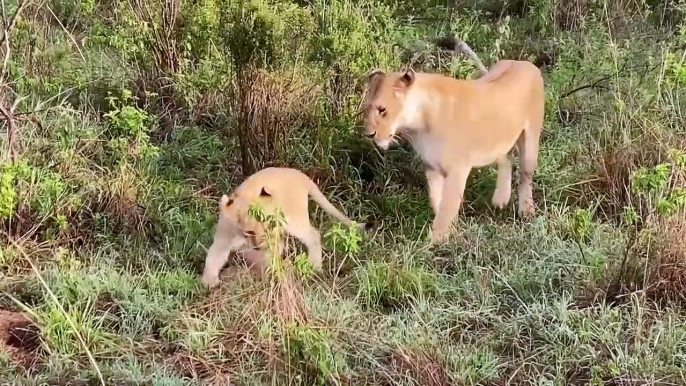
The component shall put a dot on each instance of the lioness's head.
(387, 94)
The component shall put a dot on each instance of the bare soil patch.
(19, 337)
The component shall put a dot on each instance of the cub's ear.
(407, 78)
(264, 193)
(225, 201)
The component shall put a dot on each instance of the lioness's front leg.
(503, 187)
(453, 191)
(434, 180)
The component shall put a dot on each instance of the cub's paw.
(211, 281)
(369, 227)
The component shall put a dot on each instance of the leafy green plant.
(8, 192)
(662, 184)
(582, 224)
(344, 239)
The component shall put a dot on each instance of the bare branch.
(13, 21)
(71, 37)
(6, 37)
(8, 114)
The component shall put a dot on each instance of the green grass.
(107, 213)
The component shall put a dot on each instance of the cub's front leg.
(226, 239)
(451, 200)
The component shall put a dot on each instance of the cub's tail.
(451, 43)
(320, 199)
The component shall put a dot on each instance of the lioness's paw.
(527, 210)
(438, 237)
(501, 197)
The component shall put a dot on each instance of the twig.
(11, 131)
(64, 312)
(619, 73)
(586, 86)
(6, 37)
(71, 37)
(13, 21)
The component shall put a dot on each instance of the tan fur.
(456, 125)
(287, 189)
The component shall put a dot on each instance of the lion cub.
(456, 125)
(285, 188)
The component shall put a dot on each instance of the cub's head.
(236, 208)
(387, 95)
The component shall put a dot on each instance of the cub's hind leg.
(528, 144)
(312, 240)
(503, 187)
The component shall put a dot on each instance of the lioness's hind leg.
(503, 187)
(528, 161)
(309, 236)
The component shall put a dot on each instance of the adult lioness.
(283, 188)
(456, 125)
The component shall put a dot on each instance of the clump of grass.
(413, 366)
(313, 349)
(394, 284)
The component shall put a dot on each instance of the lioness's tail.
(320, 199)
(453, 44)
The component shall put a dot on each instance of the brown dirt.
(422, 367)
(19, 337)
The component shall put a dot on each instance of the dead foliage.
(414, 365)
(667, 279)
(285, 298)
(163, 21)
(19, 337)
(614, 167)
(653, 266)
(268, 108)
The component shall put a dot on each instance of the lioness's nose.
(370, 135)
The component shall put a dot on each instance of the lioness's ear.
(408, 77)
(374, 79)
(375, 75)
(264, 193)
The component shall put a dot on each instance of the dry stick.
(71, 37)
(13, 21)
(8, 113)
(66, 315)
(11, 131)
